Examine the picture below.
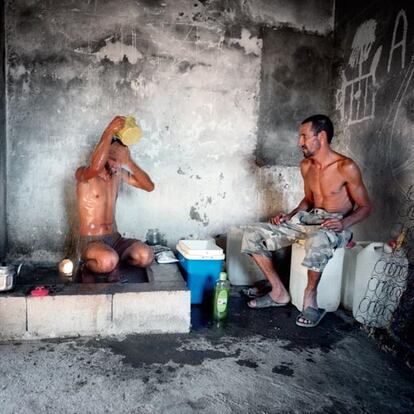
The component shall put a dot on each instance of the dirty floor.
(256, 362)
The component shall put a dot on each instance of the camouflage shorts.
(320, 243)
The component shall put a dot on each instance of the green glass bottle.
(221, 297)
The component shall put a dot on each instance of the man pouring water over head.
(101, 245)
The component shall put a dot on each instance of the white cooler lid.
(200, 250)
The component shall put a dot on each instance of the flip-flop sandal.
(260, 289)
(251, 292)
(265, 302)
(314, 316)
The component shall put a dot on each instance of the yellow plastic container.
(131, 133)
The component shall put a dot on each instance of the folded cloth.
(160, 248)
(166, 256)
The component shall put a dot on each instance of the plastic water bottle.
(221, 297)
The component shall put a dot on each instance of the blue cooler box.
(201, 262)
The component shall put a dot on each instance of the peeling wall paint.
(375, 95)
(189, 72)
(281, 190)
(315, 16)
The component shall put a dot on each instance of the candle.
(66, 266)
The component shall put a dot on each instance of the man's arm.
(358, 194)
(305, 204)
(100, 154)
(137, 177)
(130, 172)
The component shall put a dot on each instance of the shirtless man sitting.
(335, 199)
(101, 246)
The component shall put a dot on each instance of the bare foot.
(87, 276)
(277, 299)
(114, 276)
(281, 297)
(309, 300)
(310, 317)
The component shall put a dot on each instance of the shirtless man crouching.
(101, 246)
(335, 199)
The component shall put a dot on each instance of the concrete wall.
(296, 83)
(189, 71)
(3, 232)
(376, 121)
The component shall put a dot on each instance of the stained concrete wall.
(296, 83)
(189, 71)
(3, 232)
(375, 106)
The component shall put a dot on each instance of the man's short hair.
(321, 123)
(118, 141)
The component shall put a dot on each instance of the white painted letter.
(402, 42)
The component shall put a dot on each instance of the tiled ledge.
(160, 306)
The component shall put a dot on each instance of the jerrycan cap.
(131, 133)
(223, 276)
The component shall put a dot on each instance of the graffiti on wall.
(397, 44)
(395, 127)
(356, 99)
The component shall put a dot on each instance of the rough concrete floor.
(258, 362)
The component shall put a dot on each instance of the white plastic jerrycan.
(329, 288)
(380, 280)
(240, 267)
(348, 274)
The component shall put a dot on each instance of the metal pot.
(7, 276)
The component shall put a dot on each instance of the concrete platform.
(160, 305)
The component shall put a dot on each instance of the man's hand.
(119, 154)
(115, 125)
(280, 218)
(333, 224)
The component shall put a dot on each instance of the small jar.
(153, 237)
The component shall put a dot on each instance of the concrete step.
(161, 305)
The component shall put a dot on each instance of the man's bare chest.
(325, 182)
(99, 190)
